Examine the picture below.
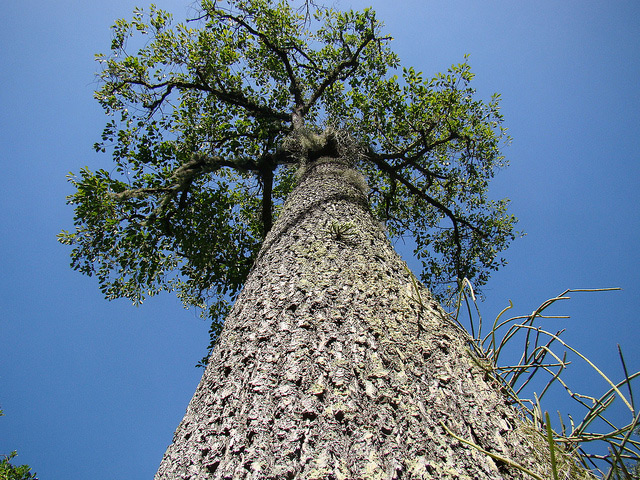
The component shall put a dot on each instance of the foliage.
(209, 120)
(11, 472)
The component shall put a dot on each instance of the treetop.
(202, 120)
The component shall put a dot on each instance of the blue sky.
(93, 389)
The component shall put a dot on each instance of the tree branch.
(294, 87)
(412, 161)
(336, 73)
(267, 192)
(233, 98)
(455, 220)
(420, 153)
(182, 177)
(138, 193)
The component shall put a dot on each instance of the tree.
(335, 362)
(12, 472)
(209, 124)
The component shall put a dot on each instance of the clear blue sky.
(93, 389)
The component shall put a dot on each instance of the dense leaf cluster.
(14, 472)
(202, 119)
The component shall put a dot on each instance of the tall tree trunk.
(332, 365)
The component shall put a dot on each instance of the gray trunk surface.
(332, 366)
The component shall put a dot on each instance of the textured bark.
(332, 366)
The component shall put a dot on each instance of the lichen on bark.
(332, 366)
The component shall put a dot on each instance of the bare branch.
(307, 9)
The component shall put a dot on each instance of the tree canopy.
(209, 120)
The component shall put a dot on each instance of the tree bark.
(331, 365)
